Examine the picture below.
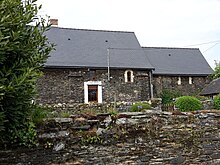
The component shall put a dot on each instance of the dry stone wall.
(151, 137)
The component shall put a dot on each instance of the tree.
(216, 73)
(24, 49)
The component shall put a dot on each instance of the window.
(129, 77)
(93, 91)
(179, 81)
(190, 80)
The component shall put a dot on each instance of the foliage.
(202, 98)
(38, 114)
(23, 50)
(216, 73)
(89, 139)
(137, 107)
(2, 120)
(26, 136)
(217, 101)
(188, 103)
(65, 114)
(168, 95)
(112, 111)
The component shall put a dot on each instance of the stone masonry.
(150, 137)
(67, 85)
(170, 83)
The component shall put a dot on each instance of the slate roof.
(76, 48)
(212, 89)
(177, 61)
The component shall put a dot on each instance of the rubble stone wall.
(161, 82)
(67, 85)
(151, 137)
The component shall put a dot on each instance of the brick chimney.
(54, 22)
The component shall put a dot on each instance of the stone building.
(95, 66)
(184, 70)
(104, 66)
(211, 89)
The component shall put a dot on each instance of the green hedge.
(188, 103)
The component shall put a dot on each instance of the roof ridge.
(93, 30)
(169, 48)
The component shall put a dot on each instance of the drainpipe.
(150, 85)
(108, 63)
(108, 66)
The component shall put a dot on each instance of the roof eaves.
(94, 67)
(176, 74)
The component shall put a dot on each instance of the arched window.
(129, 77)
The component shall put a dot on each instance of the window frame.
(179, 82)
(190, 80)
(131, 76)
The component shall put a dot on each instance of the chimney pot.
(54, 22)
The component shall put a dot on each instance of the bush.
(188, 103)
(23, 51)
(2, 128)
(168, 95)
(217, 102)
(25, 136)
(137, 107)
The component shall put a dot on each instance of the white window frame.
(190, 80)
(126, 77)
(179, 81)
(86, 84)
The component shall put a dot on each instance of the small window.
(93, 93)
(129, 77)
(190, 80)
(179, 81)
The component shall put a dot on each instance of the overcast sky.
(156, 23)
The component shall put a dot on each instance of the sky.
(156, 23)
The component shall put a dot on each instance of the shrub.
(23, 51)
(217, 102)
(168, 95)
(188, 103)
(137, 107)
(25, 136)
(2, 128)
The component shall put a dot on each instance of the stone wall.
(151, 137)
(170, 82)
(77, 108)
(67, 85)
